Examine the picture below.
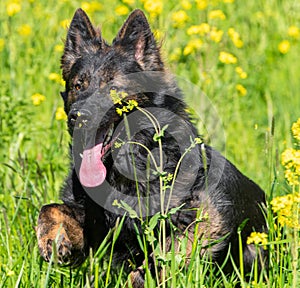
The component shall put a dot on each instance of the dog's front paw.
(60, 235)
(56, 241)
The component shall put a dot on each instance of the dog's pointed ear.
(135, 36)
(82, 37)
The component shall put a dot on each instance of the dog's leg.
(57, 224)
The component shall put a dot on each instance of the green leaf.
(161, 133)
(132, 213)
(175, 209)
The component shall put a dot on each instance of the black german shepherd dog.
(130, 128)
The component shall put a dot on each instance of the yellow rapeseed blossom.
(242, 74)
(216, 14)
(192, 46)
(258, 238)
(122, 10)
(129, 2)
(287, 208)
(175, 55)
(13, 8)
(186, 4)
(158, 34)
(241, 89)
(91, 7)
(294, 32)
(65, 23)
(216, 35)
(24, 30)
(284, 46)
(131, 104)
(60, 114)
(290, 159)
(202, 4)
(116, 96)
(235, 38)
(296, 130)
(201, 29)
(2, 44)
(37, 99)
(179, 18)
(154, 7)
(227, 58)
(59, 48)
(54, 77)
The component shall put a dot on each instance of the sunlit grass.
(243, 55)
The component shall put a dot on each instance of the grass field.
(238, 63)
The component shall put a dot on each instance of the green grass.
(254, 129)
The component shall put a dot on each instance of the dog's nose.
(73, 115)
(78, 116)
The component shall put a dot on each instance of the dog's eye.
(77, 86)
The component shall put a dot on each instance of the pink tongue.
(92, 172)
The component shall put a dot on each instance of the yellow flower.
(91, 7)
(241, 89)
(175, 55)
(158, 34)
(119, 111)
(228, 1)
(287, 208)
(179, 18)
(65, 23)
(281, 202)
(202, 4)
(2, 44)
(122, 10)
(56, 78)
(128, 2)
(216, 14)
(290, 159)
(292, 177)
(37, 99)
(296, 130)
(60, 114)
(24, 30)
(192, 46)
(235, 38)
(216, 35)
(154, 7)
(59, 48)
(227, 58)
(241, 72)
(13, 8)
(258, 238)
(201, 29)
(131, 104)
(287, 157)
(294, 32)
(284, 46)
(185, 4)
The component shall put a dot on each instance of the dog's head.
(94, 70)
(90, 64)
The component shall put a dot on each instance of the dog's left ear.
(136, 36)
(82, 38)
